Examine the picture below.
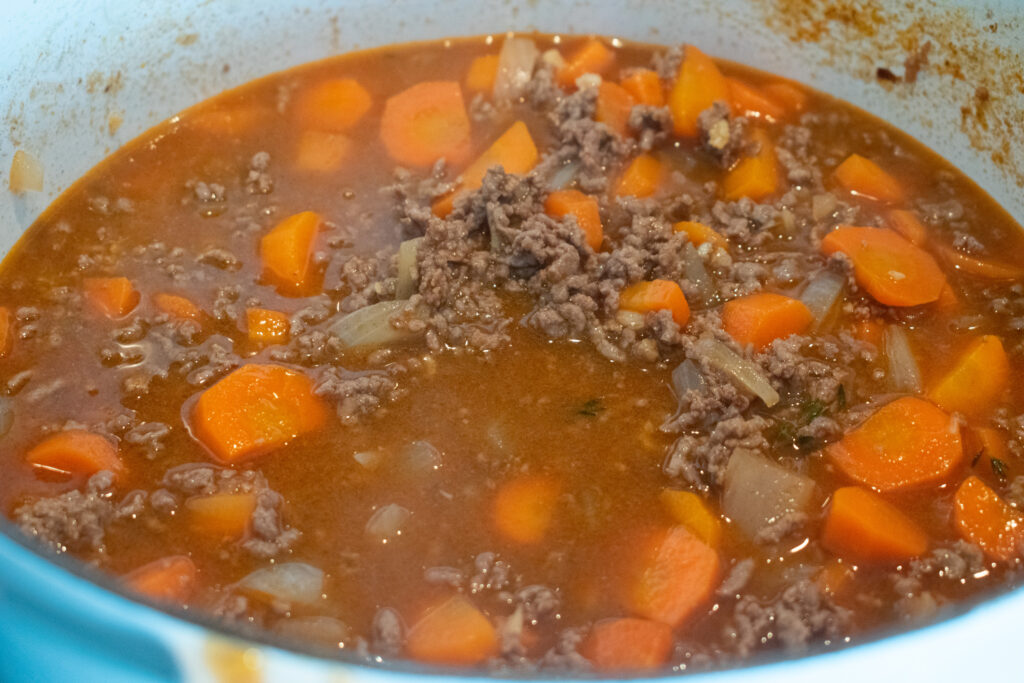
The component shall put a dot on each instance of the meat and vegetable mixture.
(536, 352)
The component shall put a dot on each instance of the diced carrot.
(698, 85)
(677, 572)
(524, 507)
(287, 254)
(594, 57)
(169, 579)
(584, 208)
(177, 306)
(907, 224)
(906, 443)
(614, 105)
(790, 95)
(983, 518)
(256, 409)
(887, 266)
(641, 178)
(266, 327)
(754, 177)
(221, 514)
(483, 71)
(758, 319)
(514, 151)
(114, 297)
(835, 577)
(76, 452)
(972, 265)
(690, 510)
(645, 87)
(863, 526)
(865, 178)
(870, 331)
(6, 331)
(454, 632)
(948, 302)
(334, 105)
(748, 100)
(656, 295)
(977, 380)
(986, 441)
(321, 152)
(627, 644)
(698, 233)
(425, 123)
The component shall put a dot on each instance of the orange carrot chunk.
(698, 233)
(114, 297)
(320, 152)
(254, 410)
(334, 105)
(641, 179)
(6, 331)
(870, 331)
(865, 178)
(483, 71)
(907, 224)
(904, 444)
(169, 579)
(627, 644)
(750, 101)
(614, 104)
(656, 295)
(266, 327)
(977, 380)
(983, 518)
(887, 266)
(287, 254)
(677, 573)
(583, 208)
(177, 306)
(754, 177)
(76, 452)
(425, 123)
(699, 84)
(863, 526)
(221, 514)
(789, 95)
(524, 508)
(986, 441)
(594, 57)
(514, 152)
(690, 510)
(759, 319)
(645, 87)
(454, 633)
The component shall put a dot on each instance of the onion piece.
(289, 582)
(823, 205)
(371, 325)
(822, 294)
(6, 415)
(564, 175)
(420, 457)
(744, 372)
(324, 630)
(387, 522)
(697, 275)
(26, 173)
(368, 459)
(515, 68)
(904, 373)
(759, 492)
(407, 252)
(686, 378)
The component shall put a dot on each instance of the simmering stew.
(535, 352)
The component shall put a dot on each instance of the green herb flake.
(592, 408)
(998, 468)
(810, 410)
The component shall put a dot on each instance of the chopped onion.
(26, 173)
(823, 293)
(553, 58)
(387, 521)
(407, 252)
(6, 415)
(904, 373)
(759, 492)
(325, 630)
(515, 68)
(420, 457)
(564, 175)
(822, 205)
(588, 80)
(289, 582)
(745, 373)
(631, 319)
(686, 378)
(371, 325)
(697, 275)
(369, 459)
